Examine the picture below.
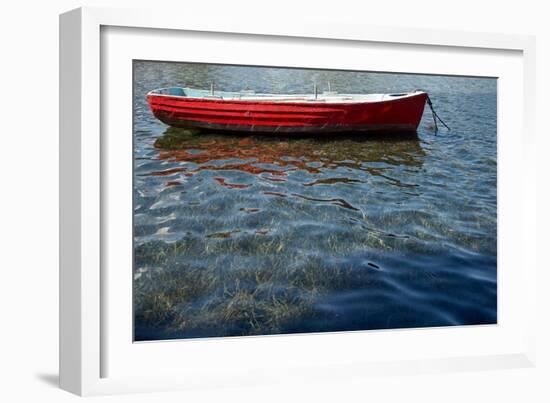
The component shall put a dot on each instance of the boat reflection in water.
(322, 160)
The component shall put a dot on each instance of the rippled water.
(240, 235)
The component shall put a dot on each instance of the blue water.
(241, 235)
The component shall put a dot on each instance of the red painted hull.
(401, 114)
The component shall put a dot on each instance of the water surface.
(242, 235)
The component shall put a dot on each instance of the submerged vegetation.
(243, 287)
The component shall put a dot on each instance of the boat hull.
(401, 115)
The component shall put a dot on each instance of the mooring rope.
(435, 116)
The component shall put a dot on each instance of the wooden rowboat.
(247, 111)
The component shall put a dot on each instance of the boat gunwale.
(313, 102)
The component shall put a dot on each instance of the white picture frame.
(85, 309)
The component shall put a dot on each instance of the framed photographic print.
(245, 202)
(290, 211)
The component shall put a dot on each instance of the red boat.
(247, 111)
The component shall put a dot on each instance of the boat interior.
(249, 95)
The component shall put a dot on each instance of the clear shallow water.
(240, 235)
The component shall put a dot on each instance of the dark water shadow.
(382, 135)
